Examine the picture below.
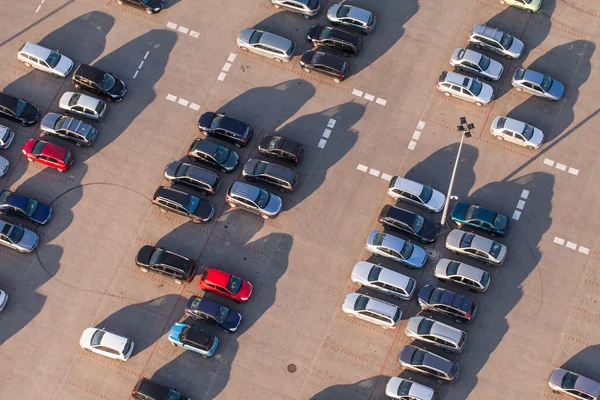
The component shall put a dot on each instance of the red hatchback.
(221, 282)
(48, 154)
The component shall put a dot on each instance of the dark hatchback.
(145, 389)
(225, 318)
(25, 207)
(480, 218)
(461, 308)
(184, 204)
(327, 64)
(97, 81)
(224, 127)
(211, 153)
(18, 109)
(150, 6)
(409, 222)
(334, 39)
(281, 147)
(164, 262)
(283, 178)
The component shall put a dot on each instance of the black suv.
(164, 262)
(280, 147)
(225, 318)
(326, 64)
(18, 109)
(207, 182)
(150, 6)
(409, 222)
(213, 154)
(146, 389)
(334, 39)
(257, 170)
(223, 127)
(461, 308)
(184, 204)
(97, 81)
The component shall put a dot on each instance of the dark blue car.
(481, 218)
(224, 127)
(22, 206)
(224, 317)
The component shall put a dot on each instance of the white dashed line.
(134, 75)
(516, 215)
(221, 76)
(421, 125)
(562, 167)
(584, 250)
(416, 135)
(170, 97)
(194, 106)
(520, 205)
(357, 92)
(412, 145)
(171, 25)
(322, 143)
(362, 168)
(183, 102)
(525, 194)
(386, 177)
(331, 123)
(369, 97)
(146, 56)
(38, 8)
(194, 34)
(231, 57)
(141, 64)
(573, 171)
(183, 30)
(226, 67)
(381, 101)
(570, 245)
(374, 172)
(549, 162)
(559, 241)
(326, 133)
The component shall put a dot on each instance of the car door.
(292, 6)
(466, 94)
(41, 159)
(223, 291)
(456, 90)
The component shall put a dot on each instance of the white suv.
(106, 344)
(36, 56)
(463, 87)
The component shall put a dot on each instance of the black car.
(461, 308)
(22, 206)
(280, 147)
(150, 6)
(97, 81)
(207, 182)
(225, 318)
(409, 222)
(168, 199)
(224, 127)
(164, 262)
(257, 170)
(145, 389)
(213, 154)
(18, 109)
(326, 64)
(334, 39)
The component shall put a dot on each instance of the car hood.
(425, 293)
(64, 100)
(31, 113)
(64, 66)
(250, 166)
(487, 93)
(42, 214)
(430, 230)
(233, 320)
(143, 256)
(118, 89)
(206, 119)
(155, 3)
(437, 201)
(245, 291)
(412, 325)
(333, 10)
(29, 240)
(537, 139)
(245, 35)
(361, 271)
(205, 210)
(556, 90)
(516, 49)
(494, 69)
(264, 142)
(175, 331)
(459, 210)
(274, 205)
(307, 57)
(418, 256)
(314, 32)
(49, 121)
(232, 161)
(86, 337)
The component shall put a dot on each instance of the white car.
(106, 344)
(417, 194)
(4, 165)
(517, 132)
(472, 245)
(3, 299)
(6, 137)
(397, 249)
(84, 105)
(475, 279)
(385, 280)
(403, 389)
(36, 56)
(266, 44)
(476, 63)
(463, 87)
(379, 312)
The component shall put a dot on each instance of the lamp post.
(465, 131)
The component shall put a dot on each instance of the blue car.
(194, 339)
(480, 218)
(225, 318)
(24, 207)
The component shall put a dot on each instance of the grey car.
(419, 360)
(376, 277)
(497, 41)
(476, 63)
(472, 245)
(69, 128)
(352, 17)
(573, 385)
(308, 8)
(428, 330)
(18, 238)
(266, 44)
(397, 249)
(463, 87)
(475, 279)
(517, 132)
(253, 199)
(537, 84)
(84, 105)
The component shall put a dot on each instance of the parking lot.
(542, 310)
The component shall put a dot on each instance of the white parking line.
(362, 168)
(38, 8)
(357, 92)
(369, 97)
(226, 67)
(194, 106)
(416, 135)
(525, 194)
(326, 133)
(182, 29)
(170, 97)
(141, 64)
(562, 167)
(183, 102)
(222, 76)
(584, 250)
(194, 34)
(331, 123)
(381, 101)
(571, 245)
(559, 241)
(146, 56)
(374, 172)
(386, 177)
(573, 171)
(171, 25)
(516, 215)
(322, 143)
(134, 75)
(412, 145)
(231, 57)
(421, 125)
(520, 205)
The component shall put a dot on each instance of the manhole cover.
(433, 254)
(291, 368)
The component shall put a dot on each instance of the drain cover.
(291, 368)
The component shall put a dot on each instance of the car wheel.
(454, 252)
(472, 290)
(244, 48)
(385, 327)
(487, 78)
(395, 297)
(232, 205)
(429, 211)
(458, 320)
(223, 170)
(239, 146)
(143, 269)
(203, 356)
(336, 80)
(56, 75)
(308, 16)
(508, 57)
(500, 137)
(27, 65)
(478, 103)
(441, 280)
(23, 123)
(249, 179)
(306, 69)
(492, 234)
(203, 193)
(77, 144)
(345, 54)
(334, 23)
(555, 392)
(60, 170)
(177, 281)
(488, 264)
(237, 301)
(120, 2)
(196, 221)
(350, 315)
(282, 190)
(173, 344)
(277, 59)
(529, 11)
(264, 216)
(30, 159)
(458, 68)
(277, 6)
(149, 11)
(88, 350)
(531, 147)
(478, 46)
(518, 89)
(447, 94)
(78, 87)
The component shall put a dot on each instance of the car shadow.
(585, 363)
(372, 388)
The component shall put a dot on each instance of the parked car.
(150, 6)
(39, 57)
(281, 147)
(465, 88)
(537, 84)
(18, 109)
(22, 206)
(497, 41)
(193, 339)
(97, 81)
(6, 137)
(334, 39)
(376, 277)
(352, 17)
(476, 63)
(527, 5)
(18, 238)
(211, 153)
(517, 132)
(3, 299)
(403, 389)
(266, 44)
(472, 245)
(83, 105)
(430, 331)
(481, 218)
(231, 286)
(224, 127)
(308, 8)
(48, 154)
(283, 178)
(409, 222)
(382, 313)
(203, 309)
(106, 344)
(573, 385)
(419, 360)
(459, 307)
(253, 199)
(397, 249)
(326, 64)
(4, 166)
(167, 263)
(417, 194)
(205, 181)
(146, 389)
(69, 128)
(475, 279)
(182, 203)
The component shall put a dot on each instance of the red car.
(48, 154)
(221, 282)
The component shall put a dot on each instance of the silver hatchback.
(428, 330)
(376, 277)
(475, 279)
(463, 87)
(573, 385)
(497, 41)
(352, 17)
(266, 44)
(472, 245)
(538, 84)
(253, 199)
(308, 8)
(427, 363)
(382, 313)
(476, 63)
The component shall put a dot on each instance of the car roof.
(488, 31)
(437, 362)
(408, 186)
(472, 56)
(55, 151)
(587, 385)
(201, 174)
(442, 330)
(217, 277)
(113, 341)
(244, 190)
(16, 200)
(359, 14)
(328, 60)
(151, 388)
(172, 194)
(464, 270)
(342, 35)
(381, 307)
(279, 171)
(481, 243)
(199, 337)
(418, 391)
(89, 72)
(36, 50)
(206, 146)
(275, 41)
(399, 214)
(456, 79)
(533, 76)
(173, 259)
(207, 306)
(395, 278)
(231, 124)
(8, 101)
(88, 101)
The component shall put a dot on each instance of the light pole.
(465, 131)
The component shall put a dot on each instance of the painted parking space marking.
(374, 172)
(226, 67)
(559, 241)
(141, 65)
(520, 205)
(171, 25)
(170, 97)
(386, 177)
(183, 29)
(331, 123)
(362, 168)
(327, 133)
(221, 76)
(322, 143)
(416, 135)
(421, 125)
(561, 167)
(381, 101)
(369, 97)
(571, 245)
(183, 102)
(412, 145)
(231, 57)
(357, 92)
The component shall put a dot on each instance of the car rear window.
(436, 296)
(100, 107)
(425, 326)
(404, 388)
(127, 346)
(378, 239)
(343, 11)
(501, 122)
(519, 73)
(452, 268)
(500, 221)
(67, 157)
(255, 38)
(361, 303)
(371, 20)
(234, 284)
(495, 250)
(485, 278)
(74, 99)
(97, 337)
(374, 273)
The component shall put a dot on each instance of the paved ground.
(542, 310)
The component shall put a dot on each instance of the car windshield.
(234, 284)
(547, 83)
(452, 268)
(484, 63)
(183, 169)
(127, 346)
(418, 357)
(221, 155)
(378, 239)
(506, 41)
(53, 59)
(361, 303)
(223, 314)
(173, 395)
(374, 273)
(263, 198)
(4, 196)
(425, 326)
(404, 388)
(97, 337)
(495, 250)
(74, 99)
(343, 11)
(485, 278)
(5, 136)
(255, 38)
(20, 108)
(325, 33)
(67, 157)
(275, 142)
(155, 257)
(476, 87)
(500, 221)
(436, 296)
(568, 381)
(100, 107)
(192, 205)
(466, 240)
(16, 234)
(527, 131)
(418, 223)
(471, 212)
(260, 168)
(31, 206)
(107, 82)
(38, 147)
(407, 250)
(426, 194)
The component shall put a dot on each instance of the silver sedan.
(472, 245)
(538, 84)
(517, 132)
(476, 63)
(266, 44)
(390, 246)
(18, 238)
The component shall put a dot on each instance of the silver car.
(83, 105)
(475, 279)
(472, 245)
(537, 84)
(497, 41)
(253, 199)
(476, 63)
(18, 238)
(308, 8)
(463, 87)
(4, 166)
(427, 363)
(69, 128)
(352, 17)
(397, 249)
(517, 132)
(385, 280)
(3, 299)
(573, 385)
(370, 309)
(36, 56)
(403, 389)
(6, 137)
(428, 330)
(417, 194)
(266, 44)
